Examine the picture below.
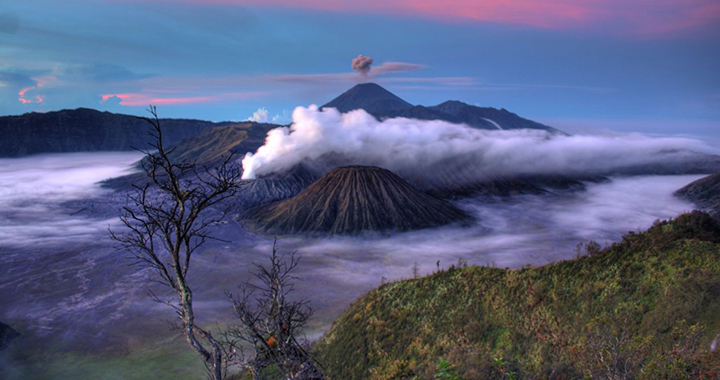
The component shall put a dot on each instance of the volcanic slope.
(705, 193)
(352, 200)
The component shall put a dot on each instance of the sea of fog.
(80, 306)
(32, 190)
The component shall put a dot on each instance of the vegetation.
(646, 307)
(271, 324)
(170, 216)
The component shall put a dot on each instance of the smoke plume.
(362, 64)
(432, 147)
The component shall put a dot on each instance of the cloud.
(446, 81)
(315, 78)
(33, 187)
(162, 98)
(111, 100)
(640, 17)
(431, 149)
(40, 82)
(283, 118)
(396, 67)
(260, 116)
(141, 99)
(362, 64)
(103, 72)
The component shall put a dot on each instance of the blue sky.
(649, 67)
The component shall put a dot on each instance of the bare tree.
(416, 270)
(614, 353)
(270, 322)
(166, 220)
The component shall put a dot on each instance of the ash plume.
(362, 64)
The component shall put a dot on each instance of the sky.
(650, 66)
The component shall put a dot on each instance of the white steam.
(423, 146)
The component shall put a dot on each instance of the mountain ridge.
(383, 104)
(705, 193)
(87, 130)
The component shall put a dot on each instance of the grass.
(175, 359)
(657, 293)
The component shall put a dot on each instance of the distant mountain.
(86, 130)
(491, 118)
(352, 200)
(370, 97)
(214, 143)
(207, 148)
(383, 104)
(705, 193)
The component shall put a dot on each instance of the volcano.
(368, 96)
(383, 104)
(352, 200)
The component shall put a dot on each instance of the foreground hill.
(705, 193)
(86, 130)
(651, 301)
(383, 104)
(352, 200)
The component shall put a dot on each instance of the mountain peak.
(368, 96)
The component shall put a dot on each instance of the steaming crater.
(434, 149)
(353, 200)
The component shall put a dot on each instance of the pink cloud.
(156, 98)
(640, 17)
(369, 73)
(40, 82)
(395, 67)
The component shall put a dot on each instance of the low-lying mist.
(430, 147)
(511, 232)
(32, 189)
(65, 283)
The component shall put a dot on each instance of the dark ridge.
(705, 193)
(86, 130)
(479, 117)
(7, 335)
(353, 200)
(420, 113)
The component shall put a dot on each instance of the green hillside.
(647, 307)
